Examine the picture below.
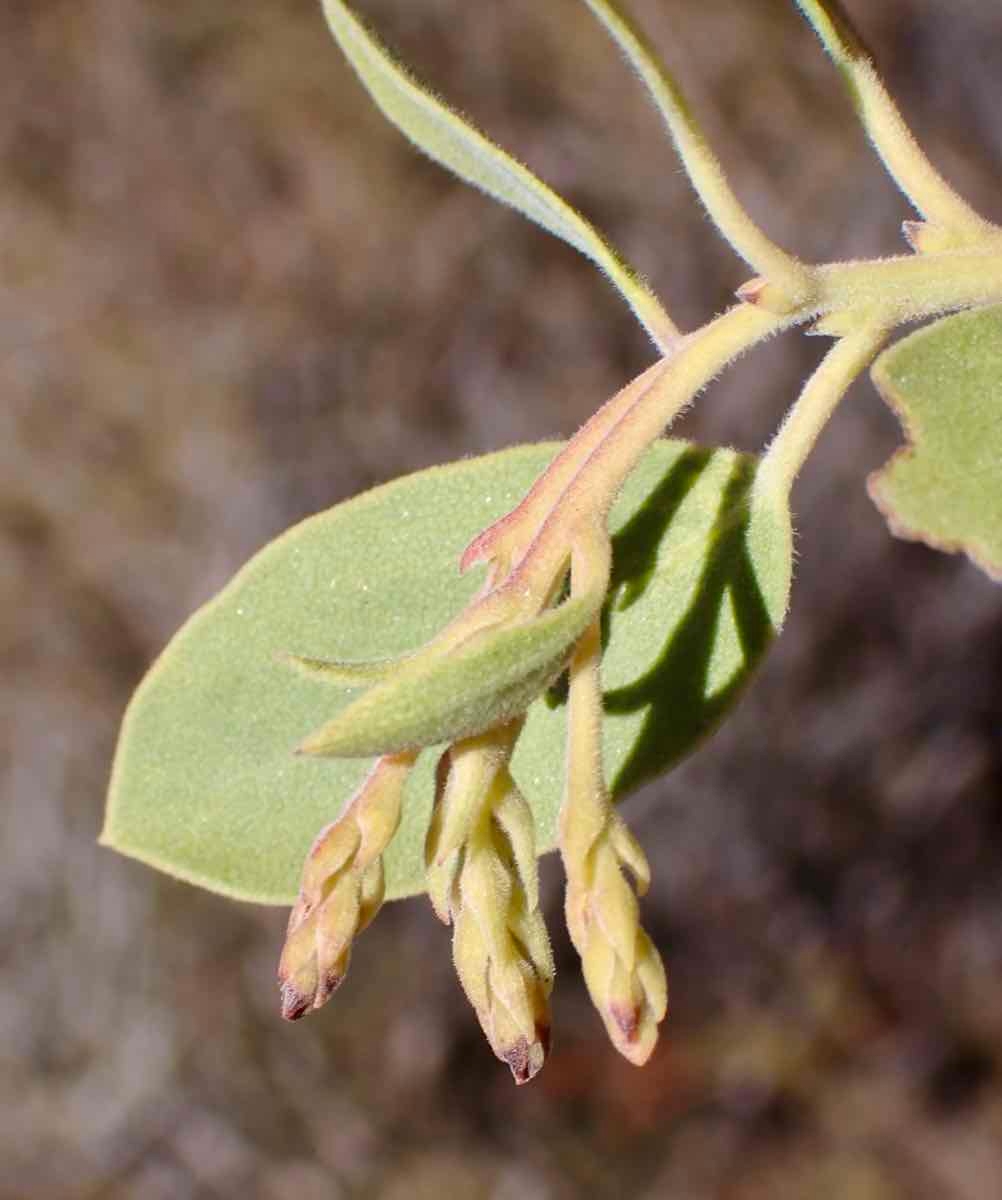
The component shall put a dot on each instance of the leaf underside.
(205, 785)
(945, 488)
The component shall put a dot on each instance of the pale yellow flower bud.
(623, 971)
(341, 890)
(482, 877)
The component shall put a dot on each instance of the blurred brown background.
(231, 296)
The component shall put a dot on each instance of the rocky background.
(231, 296)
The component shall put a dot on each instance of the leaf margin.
(880, 481)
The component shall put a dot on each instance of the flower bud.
(482, 879)
(623, 971)
(341, 890)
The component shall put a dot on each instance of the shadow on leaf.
(675, 691)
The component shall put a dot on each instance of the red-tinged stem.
(603, 460)
(523, 522)
(595, 485)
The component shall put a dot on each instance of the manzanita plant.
(350, 668)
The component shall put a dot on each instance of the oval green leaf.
(945, 488)
(206, 785)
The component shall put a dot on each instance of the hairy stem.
(818, 400)
(903, 157)
(517, 527)
(700, 358)
(641, 414)
(900, 289)
(908, 288)
(701, 164)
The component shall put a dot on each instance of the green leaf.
(454, 143)
(441, 696)
(206, 785)
(945, 488)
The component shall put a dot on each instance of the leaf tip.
(335, 740)
(309, 747)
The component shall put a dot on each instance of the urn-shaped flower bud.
(342, 889)
(622, 969)
(482, 879)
